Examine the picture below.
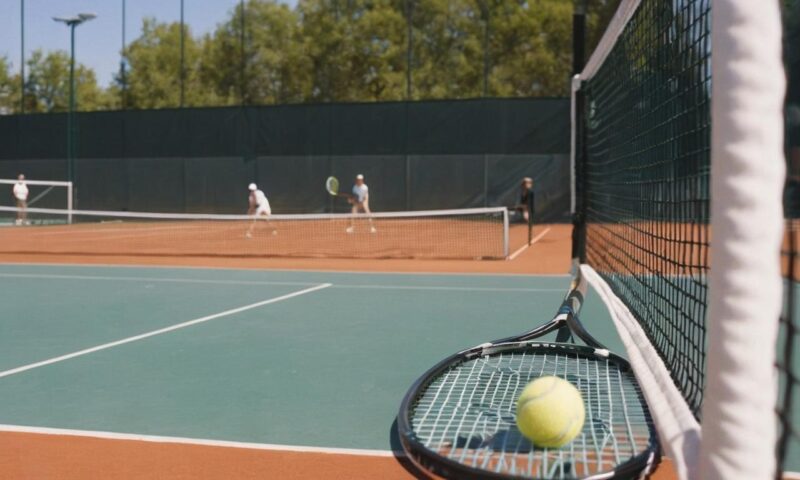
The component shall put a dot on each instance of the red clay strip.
(36, 456)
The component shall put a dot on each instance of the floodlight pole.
(72, 22)
(22, 56)
(183, 69)
(122, 60)
(486, 14)
(70, 130)
(578, 36)
(409, 47)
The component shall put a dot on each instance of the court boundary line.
(295, 270)
(47, 276)
(152, 333)
(446, 288)
(527, 245)
(4, 428)
(42, 276)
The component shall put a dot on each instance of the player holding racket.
(360, 202)
(259, 207)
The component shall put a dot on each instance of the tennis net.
(643, 215)
(643, 177)
(788, 358)
(466, 233)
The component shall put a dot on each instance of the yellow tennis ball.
(550, 412)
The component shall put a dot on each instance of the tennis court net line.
(481, 233)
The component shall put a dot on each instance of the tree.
(47, 85)
(154, 77)
(271, 68)
(447, 49)
(531, 48)
(9, 88)
(331, 50)
(356, 49)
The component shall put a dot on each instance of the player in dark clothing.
(526, 199)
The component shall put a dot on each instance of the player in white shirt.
(21, 199)
(360, 201)
(259, 207)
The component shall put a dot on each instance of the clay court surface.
(457, 237)
(117, 366)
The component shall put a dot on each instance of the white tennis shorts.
(263, 210)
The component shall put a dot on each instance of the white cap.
(252, 187)
(359, 177)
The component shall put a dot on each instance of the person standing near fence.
(21, 199)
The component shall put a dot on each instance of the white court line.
(288, 270)
(524, 247)
(196, 441)
(153, 333)
(455, 289)
(44, 276)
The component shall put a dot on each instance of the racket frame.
(335, 193)
(567, 324)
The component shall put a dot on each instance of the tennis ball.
(550, 412)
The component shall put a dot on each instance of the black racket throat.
(566, 320)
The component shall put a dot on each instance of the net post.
(505, 233)
(530, 206)
(69, 202)
(577, 148)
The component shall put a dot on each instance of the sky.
(99, 41)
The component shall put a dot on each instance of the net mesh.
(788, 347)
(643, 178)
(468, 415)
(788, 357)
(468, 234)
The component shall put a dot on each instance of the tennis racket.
(332, 186)
(458, 419)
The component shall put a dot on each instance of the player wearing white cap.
(360, 202)
(259, 207)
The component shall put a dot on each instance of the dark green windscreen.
(415, 155)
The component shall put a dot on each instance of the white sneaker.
(349, 230)
(274, 232)
(248, 235)
(373, 230)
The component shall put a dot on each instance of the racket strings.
(468, 415)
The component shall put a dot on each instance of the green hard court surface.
(327, 368)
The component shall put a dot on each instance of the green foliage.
(275, 68)
(9, 88)
(154, 59)
(447, 49)
(47, 84)
(330, 50)
(355, 49)
(531, 48)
